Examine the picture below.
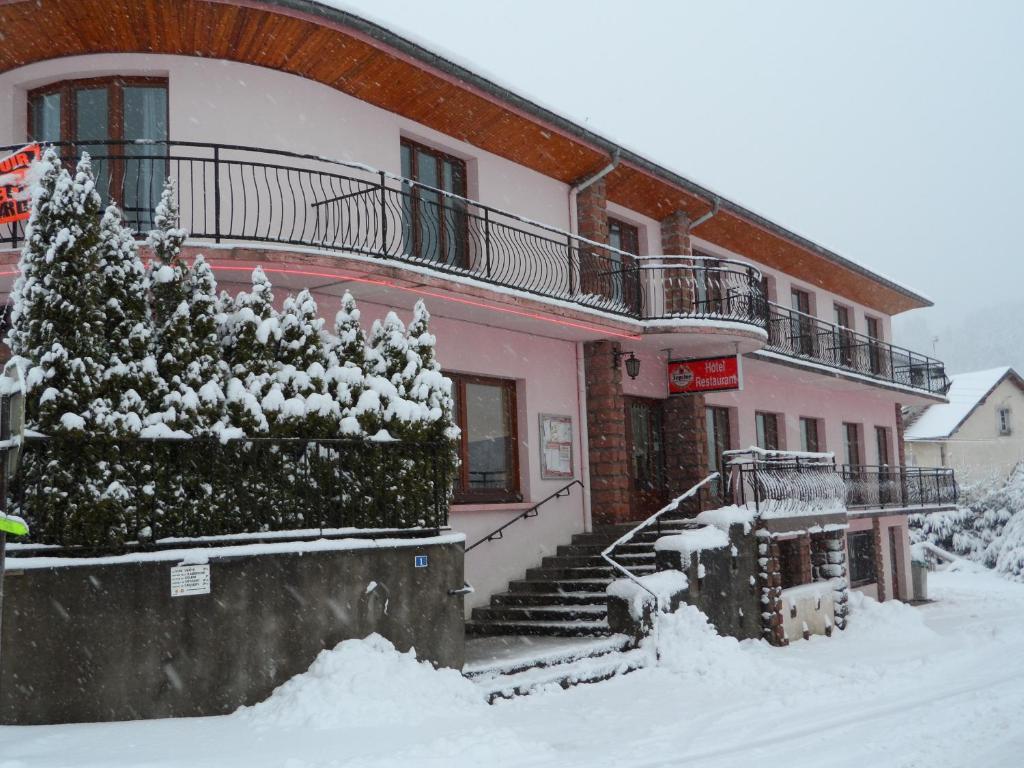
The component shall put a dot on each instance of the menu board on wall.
(555, 447)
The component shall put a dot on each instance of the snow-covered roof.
(966, 392)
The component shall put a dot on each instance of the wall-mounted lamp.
(632, 363)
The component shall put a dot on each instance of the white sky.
(888, 131)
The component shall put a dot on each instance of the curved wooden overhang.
(373, 64)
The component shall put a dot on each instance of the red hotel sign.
(15, 202)
(708, 374)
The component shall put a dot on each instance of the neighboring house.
(979, 432)
(342, 156)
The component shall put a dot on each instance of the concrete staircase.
(565, 595)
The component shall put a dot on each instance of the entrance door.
(894, 559)
(644, 428)
(719, 439)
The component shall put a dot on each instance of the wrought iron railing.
(103, 494)
(790, 478)
(235, 193)
(806, 337)
(879, 487)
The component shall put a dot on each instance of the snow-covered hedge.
(988, 529)
(114, 350)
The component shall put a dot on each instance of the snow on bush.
(367, 683)
(112, 349)
(988, 529)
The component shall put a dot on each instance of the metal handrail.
(670, 507)
(240, 193)
(533, 511)
(804, 336)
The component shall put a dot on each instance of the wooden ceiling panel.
(261, 33)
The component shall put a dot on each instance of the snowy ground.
(940, 685)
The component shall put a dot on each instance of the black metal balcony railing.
(234, 193)
(805, 337)
(786, 478)
(167, 488)
(879, 487)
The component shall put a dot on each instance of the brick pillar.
(592, 224)
(606, 432)
(676, 282)
(686, 440)
(881, 580)
(901, 449)
(769, 579)
(828, 562)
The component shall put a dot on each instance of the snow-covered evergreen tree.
(346, 380)
(255, 332)
(131, 379)
(59, 335)
(58, 321)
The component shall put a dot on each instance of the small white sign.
(190, 580)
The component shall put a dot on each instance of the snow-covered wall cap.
(724, 517)
(651, 590)
(966, 392)
(754, 453)
(693, 540)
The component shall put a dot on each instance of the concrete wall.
(106, 641)
(977, 452)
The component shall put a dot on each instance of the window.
(851, 433)
(792, 555)
(767, 425)
(719, 440)
(843, 341)
(1004, 421)
(810, 440)
(95, 111)
(862, 557)
(801, 324)
(882, 445)
(621, 286)
(434, 225)
(485, 410)
(875, 356)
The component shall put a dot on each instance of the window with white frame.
(1004, 421)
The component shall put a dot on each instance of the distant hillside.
(985, 338)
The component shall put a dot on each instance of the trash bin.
(919, 576)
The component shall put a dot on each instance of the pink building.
(344, 157)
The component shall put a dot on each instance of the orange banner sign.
(15, 200)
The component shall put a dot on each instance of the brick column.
(592, 224)
(686, 439)
(675, 241)
(828, 561)
(606, 432)
(881, 580)
(901, 449)
(769, 579)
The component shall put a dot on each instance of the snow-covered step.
(541, 613)
(557, 628)
(489, 657)
(550, 598)
(592, 669)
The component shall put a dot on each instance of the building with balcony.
(564, 272)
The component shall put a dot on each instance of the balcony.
(786, 480)
(231, 194)
(807, 338)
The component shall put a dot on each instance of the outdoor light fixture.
(632, 363)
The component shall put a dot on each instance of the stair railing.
(533, 511)
(672, 506)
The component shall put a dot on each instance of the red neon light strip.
(420, 292)
(432, 294)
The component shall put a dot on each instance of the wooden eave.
(345, 52)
